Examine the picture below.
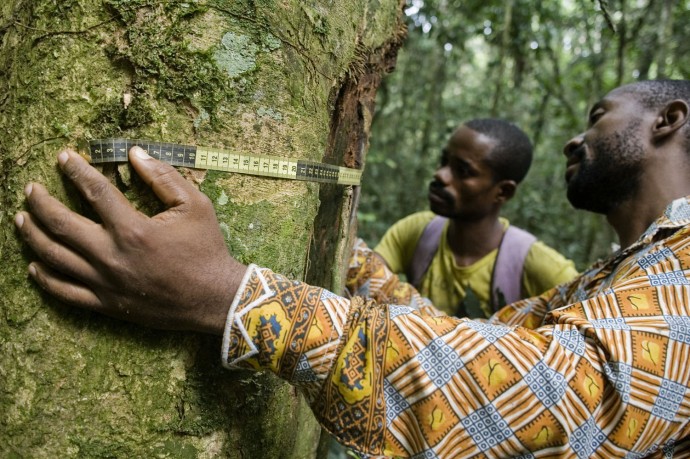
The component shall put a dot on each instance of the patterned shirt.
(599, 367)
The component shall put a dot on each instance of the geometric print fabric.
(589, 369)
(669, 400)
(439, 361)
(487, 427)
(548, 385)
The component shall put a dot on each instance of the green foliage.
(538, 64)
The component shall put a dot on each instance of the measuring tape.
(115, 150)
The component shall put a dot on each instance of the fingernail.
(62, 158)
(19, 220)
(32, 270)
(141, 154)
(28, 189)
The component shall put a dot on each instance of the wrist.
(232, 320)
(216, 311)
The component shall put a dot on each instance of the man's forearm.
(318, 341)
(370, 277)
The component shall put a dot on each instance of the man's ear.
(672, 117)
(505, 190)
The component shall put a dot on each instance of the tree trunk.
(293, 79)
(665, 40)
(503, 51)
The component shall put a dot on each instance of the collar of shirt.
(675, 216)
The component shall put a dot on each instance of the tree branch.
(604, 4)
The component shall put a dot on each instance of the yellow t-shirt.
(447, 284)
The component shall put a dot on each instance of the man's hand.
(170, 271)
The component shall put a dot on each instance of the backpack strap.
(510, 260)
(426, 249)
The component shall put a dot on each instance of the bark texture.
(288, 78)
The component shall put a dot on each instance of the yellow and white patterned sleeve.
(317, 341)
(285, 326)
(604, 378)
(369, 277)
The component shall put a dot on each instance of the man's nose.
(443, 174)
(573, 144)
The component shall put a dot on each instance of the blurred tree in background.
(538, 64)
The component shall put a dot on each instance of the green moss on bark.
(77, 384)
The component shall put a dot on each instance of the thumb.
(166, 182)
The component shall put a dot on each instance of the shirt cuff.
(233, 318)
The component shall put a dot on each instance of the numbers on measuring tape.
(115, 150)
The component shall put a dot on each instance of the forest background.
(540, 64)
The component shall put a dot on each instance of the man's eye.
(461, 169)
(594, 117)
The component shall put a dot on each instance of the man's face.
(463, 186)
(605, 164)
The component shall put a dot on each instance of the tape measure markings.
(198, 157)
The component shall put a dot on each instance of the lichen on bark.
(257, 76)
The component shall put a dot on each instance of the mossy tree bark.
(288, 78)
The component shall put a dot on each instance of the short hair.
(654, 94)
(511, 157)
